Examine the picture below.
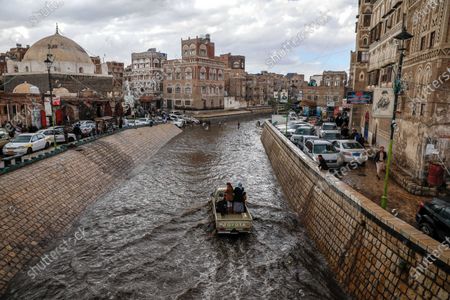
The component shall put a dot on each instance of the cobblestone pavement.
(400, 202)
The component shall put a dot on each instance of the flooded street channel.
(152, 236)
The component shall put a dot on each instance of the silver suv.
(314, 148)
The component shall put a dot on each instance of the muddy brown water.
(152, 236)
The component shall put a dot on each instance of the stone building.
(72, 70)
(145, 77)
(23, 106)
(260, 87)
(15, 54)
(196, 81)
(252, 89)
(116, 69)
(424, 118)
(315, 79)
(234, 76)
(359, 64)
(423, 107)
(326, 94)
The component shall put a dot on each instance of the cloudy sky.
(254, 28)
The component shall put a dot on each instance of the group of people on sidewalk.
(233, 200)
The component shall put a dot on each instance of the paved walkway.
(364, 180)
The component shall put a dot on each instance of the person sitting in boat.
(238, 201)
(229, 197)
(222, 206)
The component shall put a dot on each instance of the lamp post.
(401, 37)
(48, 62)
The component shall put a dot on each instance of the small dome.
(26, 88)
(62, 49)
(61, 91)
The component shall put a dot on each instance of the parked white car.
(304, 138)
(178, 121)
(57, 132)
(301, 131)
(145, 121)
(26, 143)
(351, 151)
(87, 128)
(314, 148)
(328, 127)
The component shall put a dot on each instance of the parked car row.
(26, 143)
(324, 140)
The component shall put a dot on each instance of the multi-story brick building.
(328, 93)
(15, 54)
(359, 64)
(423, 107)
(196, 81)
(145, 77)
(116, 69)
(234, 76)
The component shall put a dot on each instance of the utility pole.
(402, 37)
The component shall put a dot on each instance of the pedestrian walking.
(77, 131)
(354, 134)
(322, 163)
(239, 125)
(380, 158)
(345, 131)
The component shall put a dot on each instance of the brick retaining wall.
(372, 253)
(39, 202)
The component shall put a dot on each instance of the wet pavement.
(400, 202)
(152, 237)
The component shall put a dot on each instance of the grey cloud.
(116, 28)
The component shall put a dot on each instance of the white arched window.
(212, 74)
(188, 73)
(177, 89)
(365, 41)
(178, 73)
(192, 49)
(203, 51)
(236, 65)
(220, 75)
(156, 63)
(169, 74)
(185, 50)
(361, 76)
(188, 89)
(202, 73)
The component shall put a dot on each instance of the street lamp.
(49, 62)
(401, 37)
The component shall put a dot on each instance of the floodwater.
(152, 236)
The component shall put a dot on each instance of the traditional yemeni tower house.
(197, 80)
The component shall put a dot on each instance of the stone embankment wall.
(41, 201)
(373, 254)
